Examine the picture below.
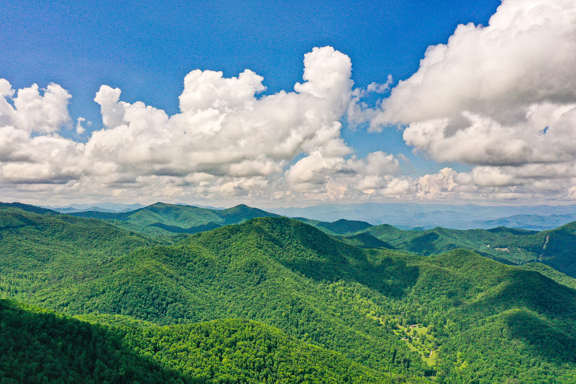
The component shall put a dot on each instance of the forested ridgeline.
(169, 219)
(43, 250)
(509, 245)
(514, 246)
(39, 346)
(455, 318)
(242, 272)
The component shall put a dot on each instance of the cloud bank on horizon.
(501, 98)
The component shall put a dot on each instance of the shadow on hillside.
(392, 277)
(191, 231)
(51, 348)
(534, 291)
(542, 339)
(424, 244)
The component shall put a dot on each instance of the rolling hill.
(340, 227)
(272, 270)
(554, 247)
(388, 314)
(167, 219)
(162, 219)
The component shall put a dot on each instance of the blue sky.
(146, 48)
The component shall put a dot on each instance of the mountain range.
(401, 215)
(515, 246)
(429, 216)
(126, 297)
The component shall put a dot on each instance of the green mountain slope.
(40, 346)
(500, 315)
(161, 218)
(29, 208)
(38, 239)
(458, 316)
(551, 273)
(340, 227)
(275, 270)
(439, 240)
(48, 250)
(553, 247)
(364, 240)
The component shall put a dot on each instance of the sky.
(288, 104)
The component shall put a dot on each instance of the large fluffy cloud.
(223, 129)
(226, 140)
(525, 56)
(501, 97)
(31, 111)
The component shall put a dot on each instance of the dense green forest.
(41, 346)
(309, 307)
(167, 219)
(340, 227)
(514, 246)
(508, 245)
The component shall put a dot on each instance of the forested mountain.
(378, 314)
(339, 227)
(258, 270)
(161, 218)
(553, 247)
(550, 272)
(515, 246)
(43, 250)
(42, 347)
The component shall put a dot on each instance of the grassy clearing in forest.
(419, 340)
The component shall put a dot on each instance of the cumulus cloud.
(525, 56)
(223, 129)
(79, 125)
(373, 174)
(225, 141)
(500, 97)
(32, 111)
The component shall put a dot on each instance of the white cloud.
(30, 151)
(223, 129)
(525, 56)
(501, 98)
(209, 90)
(79, 127)
(33, 111)
(546, 135)
(437, 185)
(377, 174)
(226, 141)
